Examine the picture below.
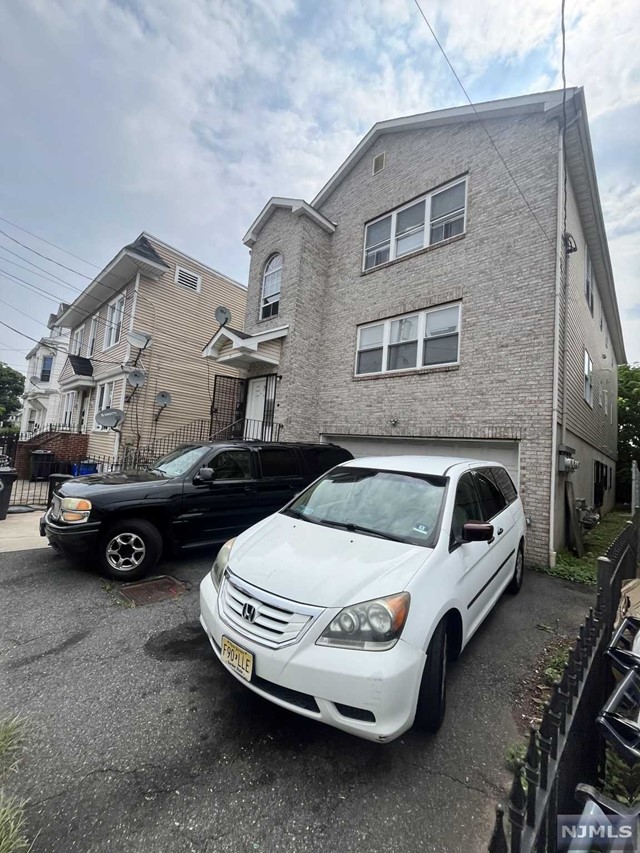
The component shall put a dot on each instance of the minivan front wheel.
(130, 549)
(432, 698)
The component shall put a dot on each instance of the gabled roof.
(503, 108)
(144, 249)
(241, 340)
(297, 206)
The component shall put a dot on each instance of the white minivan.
(346, 605)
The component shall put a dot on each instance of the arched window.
(271, 287)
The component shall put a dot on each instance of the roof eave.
(297, 206)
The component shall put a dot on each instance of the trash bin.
(79, 469)
(8, 476)
(41, 464)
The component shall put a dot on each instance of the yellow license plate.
(238, 659)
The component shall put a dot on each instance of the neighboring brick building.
(418, 305)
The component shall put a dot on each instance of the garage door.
(505, 452)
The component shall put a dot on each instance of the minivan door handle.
(500, 530)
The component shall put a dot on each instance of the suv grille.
(264, 617)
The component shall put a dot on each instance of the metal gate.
(8, 448)
(227, 403)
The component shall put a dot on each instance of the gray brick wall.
(503, 271)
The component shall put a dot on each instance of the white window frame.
(177, 281)
(101, 396)
(109, 328)
(69, 405)
(263, 298)
(422, 328)
(76, 341)
(588, 379)
(427, 224)
(382, 154)
(41, 371)
(93, 337)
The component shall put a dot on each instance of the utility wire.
(490, 138)
(48, 242)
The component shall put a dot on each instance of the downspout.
(116, 444)
(559, 289)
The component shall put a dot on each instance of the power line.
(490, 138)
(36, 252)
(49, 275)
(48, 242)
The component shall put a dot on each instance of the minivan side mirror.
(206, 475)
(477, 531)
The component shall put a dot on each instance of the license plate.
(238, 659)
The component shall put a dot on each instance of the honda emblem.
(249, 612)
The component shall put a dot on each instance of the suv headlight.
(221, 562)
(75, 510)
(374, 626)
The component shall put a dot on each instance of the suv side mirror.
(206, 475)
(477, 531)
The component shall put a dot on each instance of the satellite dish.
(163, 398)
(223, 315)
(138, 340)
(110, 417)
(136, 377)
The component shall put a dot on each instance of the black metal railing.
(556, 762)
(33, 490)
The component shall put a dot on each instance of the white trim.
(587, 371)
(134, 305)
(556, 361)
(190, 273)
(79, 330)
(375, 172)
(297, 206)
(108, 325)
(93, 325)
(419, 340)
(102, 384)
(249, 344)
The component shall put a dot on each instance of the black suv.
(201, 493)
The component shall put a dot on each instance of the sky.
(183, 117)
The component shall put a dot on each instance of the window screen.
(278, 462)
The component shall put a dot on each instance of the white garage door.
(505, 452)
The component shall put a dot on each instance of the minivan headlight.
(75, 510)
(372, 625)
(221, 562)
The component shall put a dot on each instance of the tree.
(628, 427)
(11, 387)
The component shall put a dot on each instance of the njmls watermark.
(584, 834)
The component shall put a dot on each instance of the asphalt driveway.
(142, 742)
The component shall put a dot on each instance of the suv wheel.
(130, 549)
(432, 698)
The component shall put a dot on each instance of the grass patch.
(515, 755)
(13, 731)
(585, 569)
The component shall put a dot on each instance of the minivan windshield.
(390, 504)
(179, 461)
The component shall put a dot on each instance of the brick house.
(167, 298)
(417, 304)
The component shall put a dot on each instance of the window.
(278, 462)
(589, 283)
(503, 482)
(271, 280)
(321, 459)
(67, 410)
(113, 327)
(466, 507)
(93, 330)
(104, 396)
(404, 230)
(378, 163)
(588, 378)
(606, 402)
(45, 371)
(188, 279)
(393, 344)
(492, 501)
(232, 465)
(76, 341)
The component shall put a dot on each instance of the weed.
(12, 838)
(515, 754)
(12, 738)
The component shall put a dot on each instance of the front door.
(255, 426)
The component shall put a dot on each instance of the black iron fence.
(33, 490)
(556, 761)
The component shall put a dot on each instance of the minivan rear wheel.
(130, 549)
(515, 583)
(432, 698)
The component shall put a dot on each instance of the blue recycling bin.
(79, 469)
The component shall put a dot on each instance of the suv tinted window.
(321, 459)
(232, 465)
(492, 500)
(504, 483)
(278, 462)
(466, 506)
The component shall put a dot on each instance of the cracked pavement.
(140, 741)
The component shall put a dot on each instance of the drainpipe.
(560, 288)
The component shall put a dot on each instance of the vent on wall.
(378, 163)
(187, 279)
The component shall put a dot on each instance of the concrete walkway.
(20, 532)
